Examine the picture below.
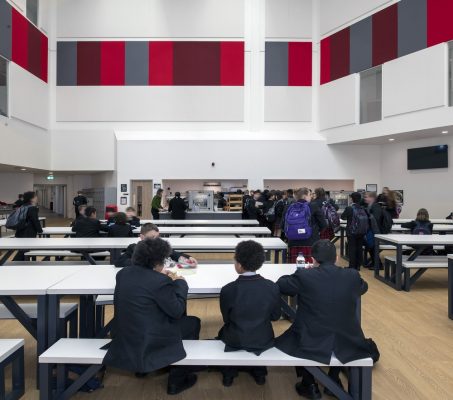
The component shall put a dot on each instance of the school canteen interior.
(117, 100)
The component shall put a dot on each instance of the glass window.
(32, 11)
(3, 87)
(371, 95)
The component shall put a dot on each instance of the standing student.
(222, 203)
(375, 211)
(280, 205)
(151, 231)
(150, 318)
(31, 226)
(269, 216)
(82, 209)
(79, 200)
(326, 320)
(382, 198)
(290, 196)
(88, 227)
(357, 226)
(248, 306)
(19, 201)
(132, 218)
(254, 207)
(392, 204)
(329, 209)
(156, 204)
(302, 223)
(177, 207)
(245, 199)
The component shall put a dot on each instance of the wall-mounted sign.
(50, 178)
(123, 201)
(123, 187)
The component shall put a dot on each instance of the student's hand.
(190, 261)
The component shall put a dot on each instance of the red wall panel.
(196, 63)
(44, 57)
(19, 52)
(299, 64)
(232, 63)
(385, 35)
(34, 51)
(339, 54)
(112, 63)
(88, 63)
(161, 63)
(325, 60)
(440, 26)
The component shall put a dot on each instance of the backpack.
(386, 222)
(360, 221)
(421, 229)
(331, 215)
(298, 221)
(18, 218)
(270, 214)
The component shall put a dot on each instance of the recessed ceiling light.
(50, 173)
(391, 140)
(444, 132)
(23, 169)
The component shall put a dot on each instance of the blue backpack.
(360, 221)
(421, 229)
(298, 221)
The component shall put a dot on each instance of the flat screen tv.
(427, 157)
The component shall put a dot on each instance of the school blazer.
(125, 259)
(326, 319)
(146, 332)
(87, 227)
(32, 225)
(248, 306)
(178, 208)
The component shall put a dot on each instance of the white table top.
(183, 230)
(33, 280)
(418, 239)
(205, 279)
(436, 228)
(3, 221)
(450, 256)
(121, 243)
(9, 346)
(205, 222)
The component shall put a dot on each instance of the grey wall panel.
(412, 26)
(361, 46)
(276, 68)
(67, 63)
(5, 29)
(137, 61)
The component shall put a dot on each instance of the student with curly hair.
(248, 306)
(150, 317)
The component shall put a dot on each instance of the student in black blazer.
(177, 207)
(32, 226)
(88, 227)
(326, 320)
(120, 227)
(151, 231)
(150, 317)
(132, 217)
(248, 306)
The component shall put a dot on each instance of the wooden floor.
(412, 330)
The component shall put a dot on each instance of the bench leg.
(73, 325)
(16, 360)
(45, 382)
(327, 381)
(77, 384)
(360, 383)
(100, 315)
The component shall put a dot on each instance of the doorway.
(142, 193)
(53, 198)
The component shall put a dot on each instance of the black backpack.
(360, 221)
(18, 218)
(386, 222)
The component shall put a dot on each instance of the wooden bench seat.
(12, 353)
(199, 353)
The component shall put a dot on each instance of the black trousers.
(155, 213)
(77, 213)
(190, 330)
(355, 251)
(232, 372)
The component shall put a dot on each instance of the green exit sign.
(50, 177)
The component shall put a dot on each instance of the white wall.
(288, 104)
(289, 19)
(150, 18)
(338, 102)
(13, 183)
(336, 14)
(327, 184)
(416, 82)
(430, 189)
(246, 160)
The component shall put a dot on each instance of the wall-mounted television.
(427, 157)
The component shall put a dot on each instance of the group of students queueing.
(151, 320)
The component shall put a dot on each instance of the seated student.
(248, 306)
(81, 213)
(326, 321)
(120, 227)
(88, 227)
(421, 226)
(132, 217)
(150, 318)
(357, 226)
(151, 231)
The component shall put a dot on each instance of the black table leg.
(87, 316)
(5, 257)
(376, 256)
(398, 266)
(450, 288)
(54, 321)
